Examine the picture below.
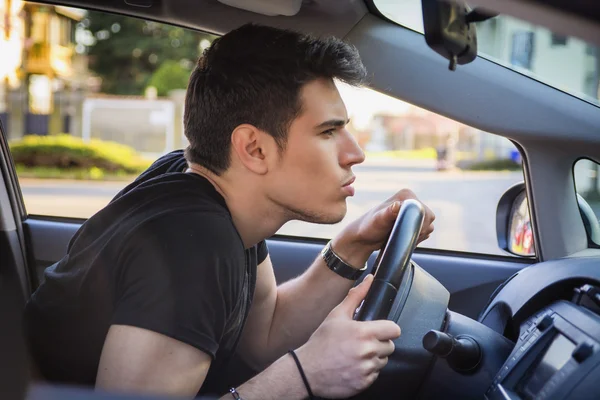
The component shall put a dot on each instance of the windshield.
(566, 63)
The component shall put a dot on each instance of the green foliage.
(89, 174)
(171, 75)
(68, 153)
(127, 50)
(501, 164)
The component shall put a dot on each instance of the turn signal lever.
(462, 352)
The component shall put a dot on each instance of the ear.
(249, 145)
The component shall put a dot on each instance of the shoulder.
(184, 252)
(168, 163)
(197, 228)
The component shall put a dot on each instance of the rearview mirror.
(449, 32)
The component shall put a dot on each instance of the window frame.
(295, 237)
(591, 243)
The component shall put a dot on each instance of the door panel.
(47, 241)
(471, 280)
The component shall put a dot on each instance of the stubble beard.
(314, 217)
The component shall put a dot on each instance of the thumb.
(387, 216)
(394, 208)
(355, 297)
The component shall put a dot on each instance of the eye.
(328, 132)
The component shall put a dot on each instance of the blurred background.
(88, 100)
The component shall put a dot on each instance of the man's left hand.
(368, 233)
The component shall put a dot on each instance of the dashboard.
(538, 338)
(557, 355)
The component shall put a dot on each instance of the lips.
(348, 187)
(350, 182)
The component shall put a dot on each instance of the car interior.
(473, 325)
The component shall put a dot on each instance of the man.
(160, 288)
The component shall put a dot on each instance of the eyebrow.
(336, 123)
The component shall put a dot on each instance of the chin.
(333, 219)
(332, 215)
(340, 216)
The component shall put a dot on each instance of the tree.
(171, 75)
(127, 51)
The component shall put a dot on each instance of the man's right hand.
(344, 357)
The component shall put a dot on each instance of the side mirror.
(513, 222)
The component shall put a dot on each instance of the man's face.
(313, 176)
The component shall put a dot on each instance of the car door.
(470, 277)
(409, 147)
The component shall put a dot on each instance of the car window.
(81, 129)
(460, 172)
(587, 183)
(89, 100)
(564, 62)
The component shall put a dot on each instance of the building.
(566, 63)
(41, 74)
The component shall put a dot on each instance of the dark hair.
(254, 75)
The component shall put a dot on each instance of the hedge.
(67, 152)
(495, 165)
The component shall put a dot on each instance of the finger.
(378, 349)
(404, 194)
(371, 378)
(425, 233)
(429, 214)
(382, 329)
(427, 226)
(428, 230)
(386, 217)
(384, 348)
(374, 365)
(379, 363)
(423, 238)
(394, 208)
(355, 296)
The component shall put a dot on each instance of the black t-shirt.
(164, 255)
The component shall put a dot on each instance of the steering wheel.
(392, 262)
(403, 292)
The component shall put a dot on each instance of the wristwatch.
(339, 266)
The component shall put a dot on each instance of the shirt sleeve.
(180, 277)
(262, 251)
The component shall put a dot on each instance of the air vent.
(266, 7)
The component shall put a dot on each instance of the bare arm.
(292, 311)
(342, 358)
(138, 360)
(284, 317)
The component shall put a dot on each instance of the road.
(464, 202)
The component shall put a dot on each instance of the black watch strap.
(339, 266)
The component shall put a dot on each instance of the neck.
(251, 211)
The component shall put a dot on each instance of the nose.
(350, 152)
